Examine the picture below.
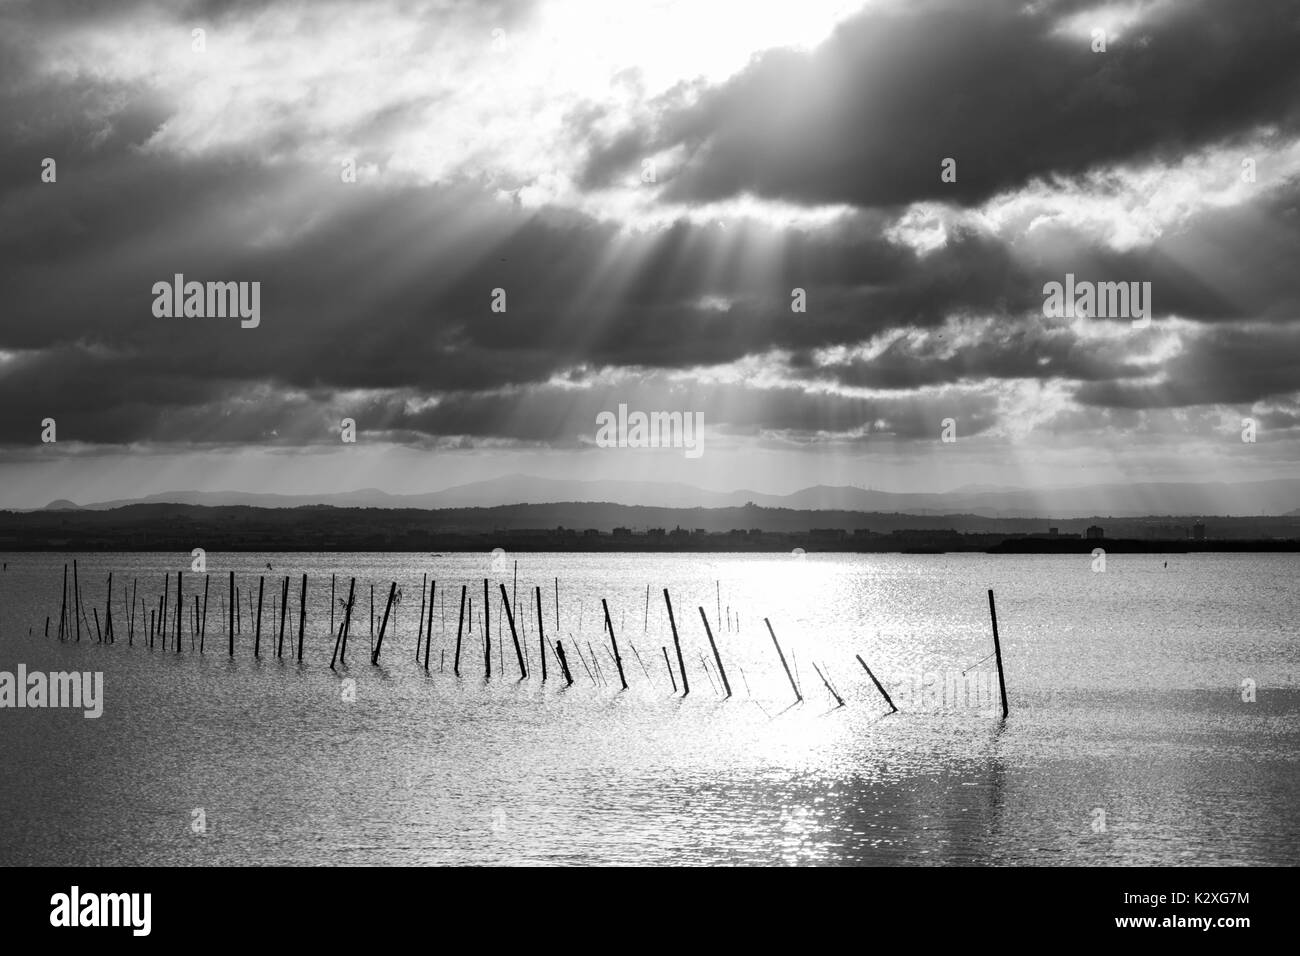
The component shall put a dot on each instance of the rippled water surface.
(1128, 742)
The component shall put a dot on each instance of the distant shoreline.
(605, 528)
(769, 544)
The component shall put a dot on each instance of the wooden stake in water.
(541, 637)
(722, 672)
(230, 620)
(428, 626)
(595, 663)
(419, 627)
(284, 612)
(392, 592)
(670, 670)
(203, 624)
(707, 673)
(883, 692)
(455, 665)
(487, 636)
(63, 605)
(257, 642)
(638, 660)
(76, 596)
(341, 642)
(838, 699)
(618, 660)
(180, 600)
(347, 620)
(780, 654)
(108, 611)
(510, 619)
(681, 663)
(582, 660)
(564, 664)
(333, 599)
(997, 650)
(302, 615)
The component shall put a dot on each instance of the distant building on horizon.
(1095, 531)
(1198, 531)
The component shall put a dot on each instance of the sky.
(825, 228)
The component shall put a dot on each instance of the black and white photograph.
(675, 433)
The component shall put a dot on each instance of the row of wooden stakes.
(157, 629)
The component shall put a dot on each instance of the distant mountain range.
(1275, 497)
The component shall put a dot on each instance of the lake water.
(1129, 741)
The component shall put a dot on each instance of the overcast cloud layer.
(508, 146)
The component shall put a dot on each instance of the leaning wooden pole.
(883, 693)
(339, 640)
(997, 651)
(510, 619)
(780, 654)
(618, 659)
(379, 644)
(838, 699)
(347, 620)
(203, 623)
(419, 627)
(681, 663)
(717, 658)
(460, 628)
(564, 663)
(284, 612)
(669, 666)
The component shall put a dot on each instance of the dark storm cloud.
(1231, 365)
(376, 297)
(867, 117)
